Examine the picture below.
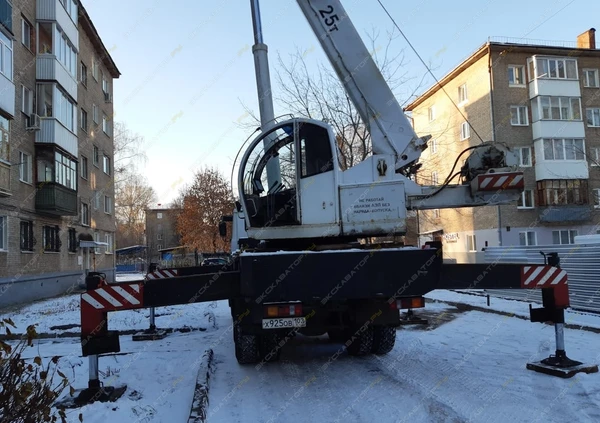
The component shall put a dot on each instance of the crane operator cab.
(288, 175)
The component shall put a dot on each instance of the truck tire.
(384, 339)
(362, 344)
(246, 347)
(269, 347)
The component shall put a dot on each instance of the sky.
(187, 66)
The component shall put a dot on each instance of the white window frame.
(560, 233)
(107, 202)
(83, 123)
(522, 204)
(95, 113)
(594, 112)
(436, 213)
(86, 168)
(471, 243)
(463, 95)
(105, 125)
(595, 159)
(96, 156)
(3, 233)
(85, 222)
(108, 237)
(159, 215)
(6, 45)
(519, 123)
(26, 24)
(26, 100)
(563, 142)
(434, 178)
(159, 237)
(94, 69)
(96, 199)
(523, 76)
(596, 197)
(465, 131)
(527, 243)
(536, 61)
(572, 113)
(25, 168)
(434, 146)
(106, 160)
(97, 250)
(431, 113)
(586, 79)
(519, 151)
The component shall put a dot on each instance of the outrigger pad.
(86, 396)
(149, 335)
(561, 368)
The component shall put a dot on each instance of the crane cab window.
(315, 150)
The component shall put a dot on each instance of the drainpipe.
(493, 123)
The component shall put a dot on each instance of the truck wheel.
(384, 339)
(246, 347)
(361, 343)
(269, 347)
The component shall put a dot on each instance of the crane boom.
(391, 131)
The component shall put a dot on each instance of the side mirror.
(223, 229)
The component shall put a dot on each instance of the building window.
(557, 108)
(593, 117)
(465, 131)
(85, 214)
(65, 51)
(462, 93)
(564, 149)
(107, 204)
(552, 192)
(96, 199)
(97, 239)
(526, 200)
(159, 237)
(3, 233)
(105, 125)
(65, 170)
(4, 138)
(83, 74)
(596, 195)
(6, 56)
(471, 243)
(94, 69)
(25, 168)
(431, 113)
(109, 241)
(27, 239)
(518, 116)
(96, 156)
(527, 238)
(553, 68)
(84, 167)
(524, 154)
(516, 75)
(434, 178)
(53, 102)
(72, 241)
(159, 215)
(26, 33)
(158, 247)
(105, 87)
(71, 8)
(106, 165)
(95, 113)
(436, 213)
(590, 78)
(595, 156)
(26, 100)
(51, 238)
(83, 118)
(563, 237)
(433, 144)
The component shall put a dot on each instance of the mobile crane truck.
(299, 263)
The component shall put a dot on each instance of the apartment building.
(56, 148)
(541, 99)
(161, 231)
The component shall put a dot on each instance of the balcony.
(48, 68)
(52, 10)
(4, 179)
(558, 129)
(7, 95)
(53, 132)
(554, 87)
(565, 214)
(57, 200)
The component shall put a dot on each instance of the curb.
(199, 410)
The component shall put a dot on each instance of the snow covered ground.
(469, 369)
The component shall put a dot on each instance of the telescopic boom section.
(390, 129)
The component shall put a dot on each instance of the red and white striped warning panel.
(542, 276)
(115, 297)
(496, 181)
(163, 273)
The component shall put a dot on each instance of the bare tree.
(129, 152)
(133, 196)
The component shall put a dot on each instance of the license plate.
(291, 322)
